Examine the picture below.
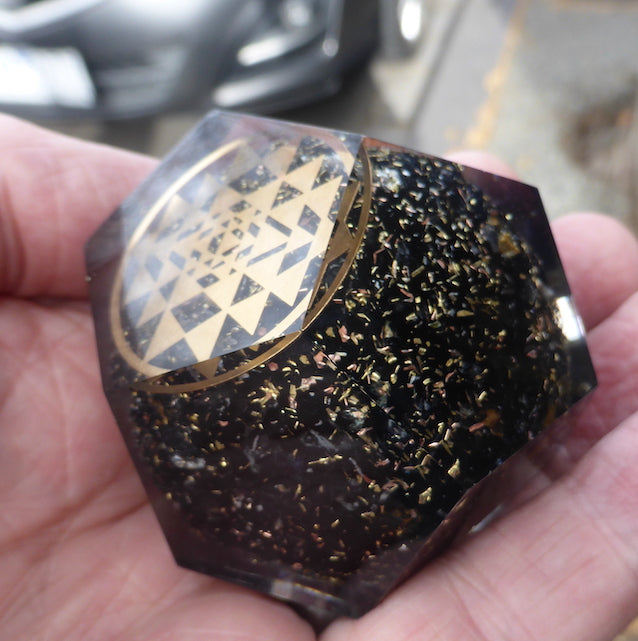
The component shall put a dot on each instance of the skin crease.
(81, 555)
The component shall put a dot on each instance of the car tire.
(402, 26)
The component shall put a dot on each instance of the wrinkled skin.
(81, 555)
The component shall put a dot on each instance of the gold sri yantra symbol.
(230, 255)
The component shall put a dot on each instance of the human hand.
(81, 555)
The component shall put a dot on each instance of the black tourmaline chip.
(316, 344)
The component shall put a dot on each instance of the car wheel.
(402, 26)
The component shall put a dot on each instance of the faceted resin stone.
(316, 345)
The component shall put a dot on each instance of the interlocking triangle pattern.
(247, 232)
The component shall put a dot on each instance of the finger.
(599, 255)
(563, 567)
(483, 161)
(601, 261)
(54, 192)
(613, 345)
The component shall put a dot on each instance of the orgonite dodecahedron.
(316, 344)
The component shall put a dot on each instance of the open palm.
(81, 555)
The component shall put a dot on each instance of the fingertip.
(600, 257)
(484, 161)
(55, 191)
